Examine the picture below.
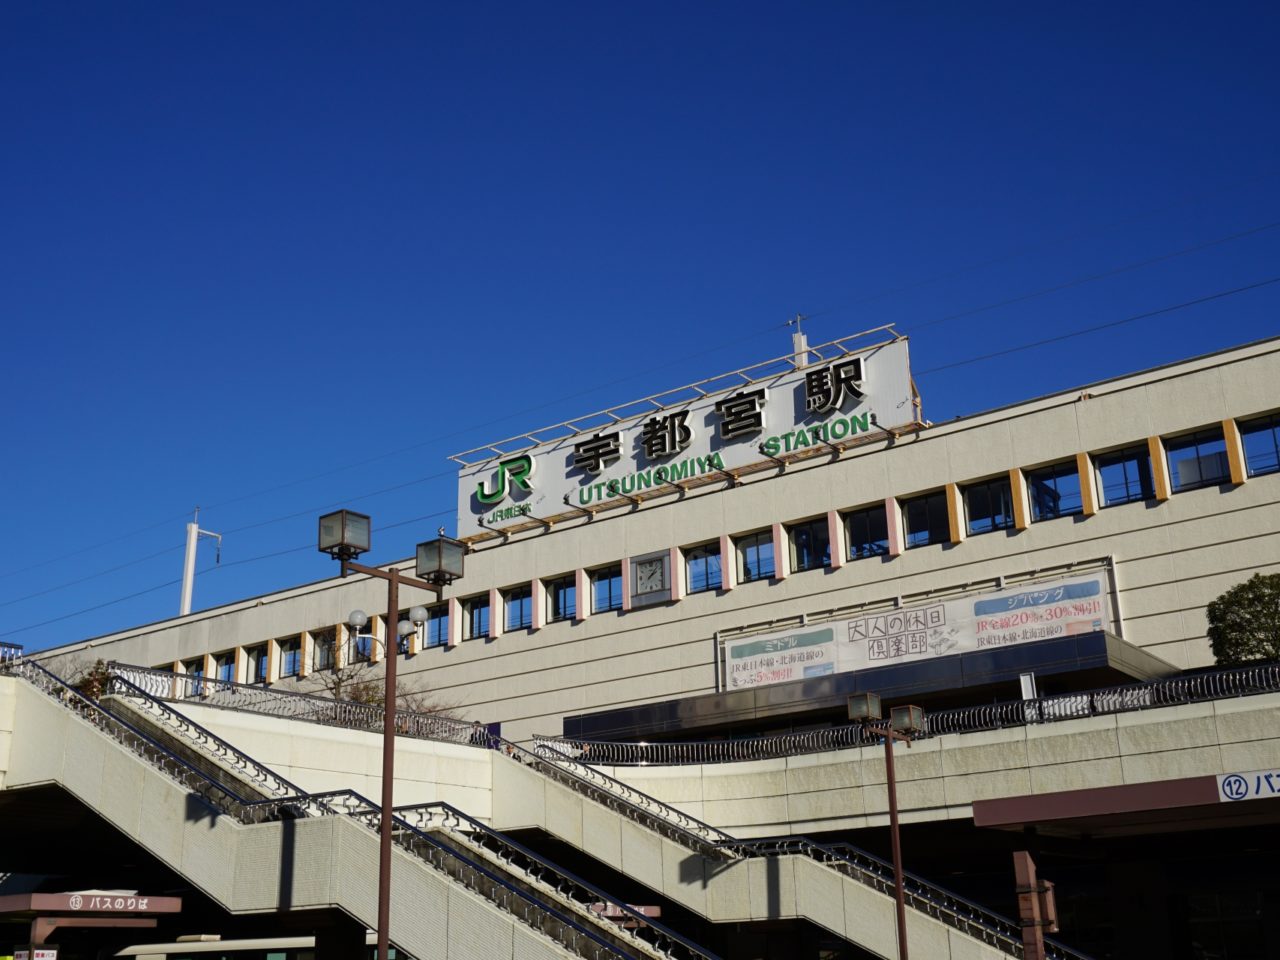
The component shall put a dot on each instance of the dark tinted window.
(1197, 460)
(810, 545)
(1054, 491)
(1124, 476)
(703, 567)
(1261, 439)
(924, 520)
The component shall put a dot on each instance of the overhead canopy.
(1079, 662)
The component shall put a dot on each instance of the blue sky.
(272, 259)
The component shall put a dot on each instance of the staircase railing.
(426, 817)
(569, 769)
(205, 740)
(541, 916)
(256, 698)
(527, 863)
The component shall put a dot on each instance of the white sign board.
(1023, 614)
(831, 401)
(1253, 785)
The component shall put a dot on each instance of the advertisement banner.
(1022, 614)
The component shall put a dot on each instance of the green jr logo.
(517, 469)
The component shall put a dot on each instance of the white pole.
(189, 568)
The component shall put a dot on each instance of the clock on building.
(651, 575)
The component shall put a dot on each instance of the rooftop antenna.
(799, 343)
(194, 533)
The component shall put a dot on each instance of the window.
(1198, 460)
(989, 506)
(563, 594)
(810, 545)
(195, 670)
(290, 656)
(606, 589)
(437, 626)
(924, 520)
(360, 643)
(868, 533)
(224, 666)
(323, 643)
(1054, 491)
(1124, 476)
(702, 568)
(402, 643)
(519, 604)
(257, 660)
(755, 556)
(475, 617)
(1261, 439)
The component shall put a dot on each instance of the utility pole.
(799, 343)
(194, 533)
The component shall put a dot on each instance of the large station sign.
(708, 428)
(1023, 614)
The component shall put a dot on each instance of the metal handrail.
(858, 864)
(507, 896)
(10, 651)
(165, 685)
(477, 877)
(1123, 698)
(564, 762)
(203, 738)
(445, 817)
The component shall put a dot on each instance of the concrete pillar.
(835, 535)
(893, 520)
(1021, 503)
(455, 621)
(497, 616)
(1088, 484)
(582, 593)
(1235, 451)
(728, 564)
(956, 527)
(781, 555)
(538, 600)
(1159, 468)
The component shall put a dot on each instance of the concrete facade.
(1170, 555)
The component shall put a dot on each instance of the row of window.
(1197, 459)
(1123, 476)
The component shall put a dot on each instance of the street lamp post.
(904, 722)
(344, 535)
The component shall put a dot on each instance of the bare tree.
(355, 683)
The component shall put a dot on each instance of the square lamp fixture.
(344, 535)
(440, 560)
(906, 719)
(864, 707)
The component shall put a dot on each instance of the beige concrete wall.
(1171, 557)
(942, 777)
(305, 864)
(319, 758)
(722, 891)
(7, 707)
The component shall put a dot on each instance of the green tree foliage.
(1244, 623)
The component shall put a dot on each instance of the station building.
(720, 567)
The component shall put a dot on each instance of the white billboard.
(1023, 614)
(746, 422)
